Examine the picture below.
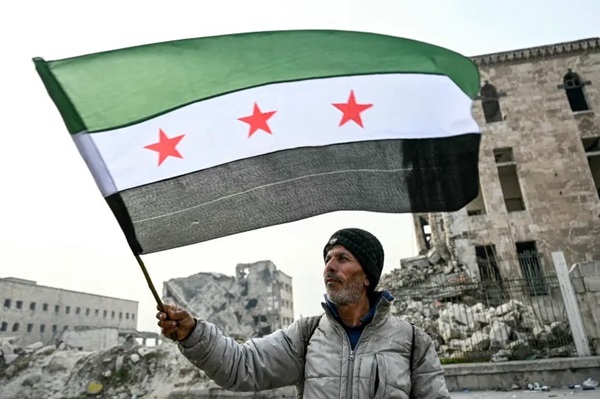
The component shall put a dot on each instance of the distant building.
(273, 290)
(282, 289)
(35, 312)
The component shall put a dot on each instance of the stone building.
(539, 111)
(35, 312)
(256, 301)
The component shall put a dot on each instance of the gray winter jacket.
(379, 366)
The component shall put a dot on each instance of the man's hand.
(177, 324)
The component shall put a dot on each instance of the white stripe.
(278, 183)
(404, 106)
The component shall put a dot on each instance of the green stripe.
(118, 88)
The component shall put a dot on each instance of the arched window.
(574, 88)
(490, 103)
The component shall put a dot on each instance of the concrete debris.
(446, 299)
(46, 350)
(427, 275)
(537, 387)
(510, 331)
(243, 306)
(589, 384)
(33, 347)
(6, 348)
(123, 371)
(10, 357)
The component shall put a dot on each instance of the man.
(356, 350)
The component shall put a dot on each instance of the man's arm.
(427, 375)
(273, 361)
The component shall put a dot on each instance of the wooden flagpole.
(149, 280)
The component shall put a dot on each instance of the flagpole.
(148, 280)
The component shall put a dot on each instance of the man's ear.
(367, 282)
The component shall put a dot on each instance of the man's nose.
(331, 266)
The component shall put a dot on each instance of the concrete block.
(10, 357)
(452, 383)
(592, 283)
(468, 381)
(578, 285)
(590, 269)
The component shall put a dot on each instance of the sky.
(55, 227)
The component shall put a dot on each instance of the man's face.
(345, 279)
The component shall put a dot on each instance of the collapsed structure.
(470, 320)
(256, 301)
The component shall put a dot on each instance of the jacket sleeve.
(273, 361)
(427, 374)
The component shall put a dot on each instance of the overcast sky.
(55, 227)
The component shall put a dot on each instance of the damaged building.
(538, 109)
(483, 284)
(256, 301)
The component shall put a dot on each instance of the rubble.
(121, 372)
(461, 331)
(441, 296)
(589, 384)
(242, 306)
(428, 274)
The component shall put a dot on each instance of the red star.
(352, 110)
(258, 120)
(165, 146)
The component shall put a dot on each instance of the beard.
(346, 295)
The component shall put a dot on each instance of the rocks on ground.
(441, 296)
(120, 372)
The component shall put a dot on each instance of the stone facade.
(539, 164)
(35, 313)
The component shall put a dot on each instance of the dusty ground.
(558, 394)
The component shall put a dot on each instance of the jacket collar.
(381, 301)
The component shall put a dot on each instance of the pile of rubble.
(511, 331)
(121, 372)
(242, 306)
(125, 371)
(429, 274)
(445, 299)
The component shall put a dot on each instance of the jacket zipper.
(350, 374)
(352, 351)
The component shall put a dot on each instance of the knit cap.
(365, 247)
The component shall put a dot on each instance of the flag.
(197, 139)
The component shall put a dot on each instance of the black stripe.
(119, 209)
(390, 176)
